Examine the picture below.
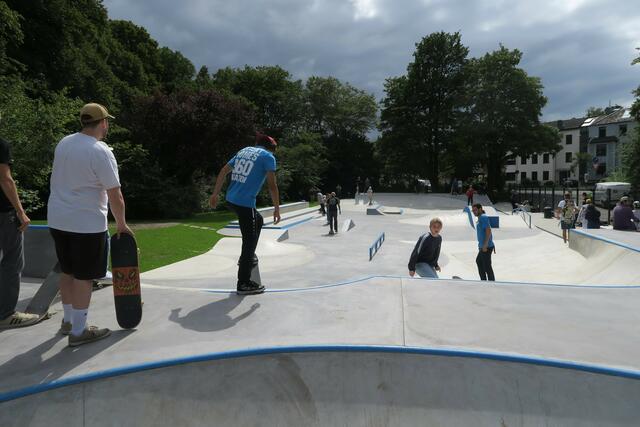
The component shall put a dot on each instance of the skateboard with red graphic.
(126, 280)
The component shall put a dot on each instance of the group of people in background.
(330, 207)
(626, 215)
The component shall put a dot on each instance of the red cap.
(266, 141)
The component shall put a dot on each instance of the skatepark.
(343, 335)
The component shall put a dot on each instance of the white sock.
(68, 309)
(78, 321)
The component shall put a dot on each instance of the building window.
(568, 157)
(623, 130)
(568, 139)
(534, 176)
(523, 176)
(511, 161)
(534, 159)
(601, 150)
(545, 158)
(523, 160)
(511, 176)
(545, 175)
(602, 132)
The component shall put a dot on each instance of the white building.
(549, 167)
(606, 136)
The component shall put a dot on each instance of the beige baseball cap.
(94, 112)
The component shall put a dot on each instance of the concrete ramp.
(347, 225)
(374, 210)
(337, 386)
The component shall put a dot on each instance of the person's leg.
(425, 270)
(487, 264)
(335, 221)
(480, 263)
(11, 264)
(250, 226)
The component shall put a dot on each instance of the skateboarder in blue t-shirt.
(485, 244)
(249, 168)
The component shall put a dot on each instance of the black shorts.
(82, 255)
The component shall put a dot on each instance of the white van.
(618, 189)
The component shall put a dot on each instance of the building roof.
(620, 115)
(573, 123)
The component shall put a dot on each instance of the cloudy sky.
(582, 49)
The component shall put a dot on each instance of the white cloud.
(364, 9)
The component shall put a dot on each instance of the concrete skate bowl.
(336, 386)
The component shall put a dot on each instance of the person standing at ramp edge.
(485, 244)
(249, 168)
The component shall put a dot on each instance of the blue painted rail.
(373, 250)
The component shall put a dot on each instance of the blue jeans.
(425, 270)
(11, 263)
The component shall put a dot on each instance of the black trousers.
(251, 223)
(332, 219)
(484, 265)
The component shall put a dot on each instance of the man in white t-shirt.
(83, 180)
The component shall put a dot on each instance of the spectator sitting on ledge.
(623, 218)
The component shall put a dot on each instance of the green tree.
(631, 158)
(503, 117)
(336, 108)
(301, 165)
(594, 112)
(428, 101)
(34, 127)
(276, 97)
(66, 46)
(11, 37)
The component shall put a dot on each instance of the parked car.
(570, 183)
(618, 189)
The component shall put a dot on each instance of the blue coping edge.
(467, 209)
(273, 227)
(39, 227)
(456, 282)
(425, 351)
(604, 239)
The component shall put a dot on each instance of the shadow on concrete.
(34, 367)
(214, 316)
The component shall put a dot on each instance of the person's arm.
(10, 190)
(339, 208)
(275, 195)
(437, 266)
(487, 236)
(213, 201)
(413, 259)
(116, 203)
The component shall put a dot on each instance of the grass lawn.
(168, 241)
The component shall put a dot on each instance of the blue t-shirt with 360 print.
(249, 168)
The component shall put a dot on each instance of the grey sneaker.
(91, 334)
(65, 328)
(19, 320)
